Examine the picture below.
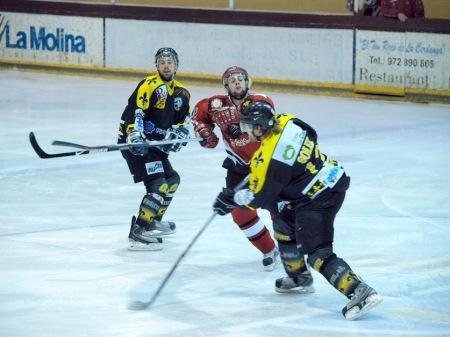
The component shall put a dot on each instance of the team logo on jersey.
(144, 99)
(150, 128)
(246, 103)
(154, 167)
(216, 103)
(289, 144)
(289, 152)
(259, 159)
(177, 103)
(161, 93)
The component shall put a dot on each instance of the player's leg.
(172, 180)
(315, 232)
(252, 227)
(257, 233)
(299, 278)
(150, 170)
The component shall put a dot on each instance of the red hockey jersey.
(238, 146)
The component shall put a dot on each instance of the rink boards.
(360, 60)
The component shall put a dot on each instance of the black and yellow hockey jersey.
(163, 106)
(289, 166)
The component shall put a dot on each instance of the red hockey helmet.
(236, 70)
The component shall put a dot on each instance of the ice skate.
(136, 240)
(271, 259)
(362, 300)
(155, 229)
(159, 228)
(301, 284)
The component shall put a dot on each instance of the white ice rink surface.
(65, 270)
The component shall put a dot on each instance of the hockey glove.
(136, 137)
(225, 116)
(224, 203)
(243, 197)
(175, 133)
(205, 131)
(234, 131)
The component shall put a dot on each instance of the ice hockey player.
(156, 110)
(223, 111)
(289, 167)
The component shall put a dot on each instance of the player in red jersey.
(223, 111)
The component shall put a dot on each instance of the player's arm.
(128, 116)
(138, 104)
(272, 167)
(264, 190)
(179, 129)
(183, 113)
(203, 124)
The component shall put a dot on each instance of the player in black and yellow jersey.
(156, 110)
(293, 178)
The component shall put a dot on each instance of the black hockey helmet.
(260, 113)
(166, 52)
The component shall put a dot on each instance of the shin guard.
(336, 271)
(167, 189)
(150, 208)
(293, 261)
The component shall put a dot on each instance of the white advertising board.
(296, 54)
(402, 60)
(51, 39)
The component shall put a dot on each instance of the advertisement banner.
(291, 54)
(391, 62)
(61, 40)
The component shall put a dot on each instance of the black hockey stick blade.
(97, 149)
(44, 155)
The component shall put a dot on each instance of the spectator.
(402, 9)
(365, 7)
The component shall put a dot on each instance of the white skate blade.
(156, 233)
(140, 246)
(296, 290)
(356, 312)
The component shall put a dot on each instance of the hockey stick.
(125, 146)
(141, 305)
(84, 149)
